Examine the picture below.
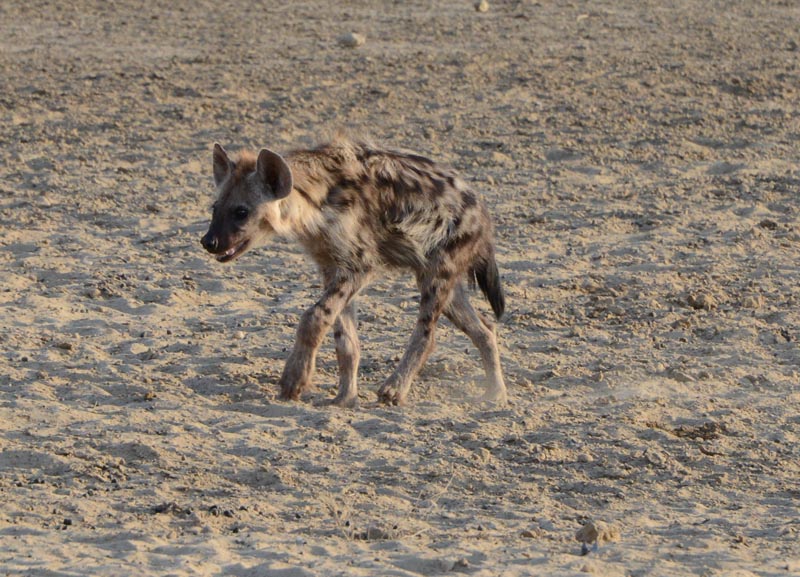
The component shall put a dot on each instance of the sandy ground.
(642, 166)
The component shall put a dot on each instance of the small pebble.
(546, 525)
(352, 40)
(502, 159)
(752, 302)
(596, 532)
(680, 376)
(482, 6)
(374, 533)
(93, 293)
(239, 335)
(702, 300)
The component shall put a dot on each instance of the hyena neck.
(297, 217)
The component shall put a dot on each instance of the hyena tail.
(488, 278)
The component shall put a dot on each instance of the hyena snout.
(225, 247)
(210, 242)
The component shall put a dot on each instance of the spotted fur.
(358, 209)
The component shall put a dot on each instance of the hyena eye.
(241, 213)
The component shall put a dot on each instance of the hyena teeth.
(232, 252)
(357, 209)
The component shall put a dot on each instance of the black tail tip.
(488, 278)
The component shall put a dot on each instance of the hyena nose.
(209, 242)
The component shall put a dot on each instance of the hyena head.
(246, 210)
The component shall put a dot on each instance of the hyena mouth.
(233, 252)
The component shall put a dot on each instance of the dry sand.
(642, 162)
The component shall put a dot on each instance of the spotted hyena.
(358, 209)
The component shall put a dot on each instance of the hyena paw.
(497, 397)
(348, 402)
(290, 391)
(391, 393)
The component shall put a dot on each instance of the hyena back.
(358, 209)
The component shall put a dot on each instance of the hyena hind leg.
(481, 332)
(435, 294)
(348, 354)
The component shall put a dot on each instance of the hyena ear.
(222, 164)
(273, 171)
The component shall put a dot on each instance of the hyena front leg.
(314, 324)
(435, 295)
(481, 332)
(348, 354)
